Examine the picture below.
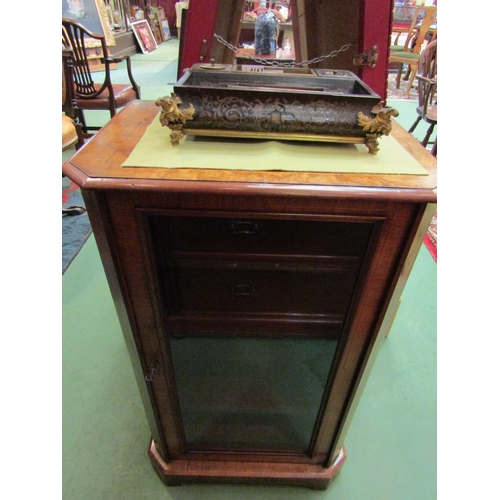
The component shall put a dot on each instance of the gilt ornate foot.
(376, 127)
(177, 134)
(173, 117)
(372, 143)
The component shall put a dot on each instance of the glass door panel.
(250, 394)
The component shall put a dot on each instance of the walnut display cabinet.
(252, 303)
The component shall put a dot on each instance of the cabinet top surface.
(98, 166)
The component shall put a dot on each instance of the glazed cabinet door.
(253, 313)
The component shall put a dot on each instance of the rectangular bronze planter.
(275, 103)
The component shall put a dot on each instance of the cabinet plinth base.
(178, 472)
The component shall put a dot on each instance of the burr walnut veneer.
(252, 303)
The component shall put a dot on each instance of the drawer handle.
(242, 290)
(244, 227)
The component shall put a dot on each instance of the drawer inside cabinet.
(260, 286)
(262, 235)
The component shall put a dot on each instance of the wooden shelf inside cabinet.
(253, 303)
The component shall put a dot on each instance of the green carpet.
(391, 444)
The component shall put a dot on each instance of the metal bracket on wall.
(203, 50)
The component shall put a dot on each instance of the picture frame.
(155, 24)
(165, 30)
(133, 10)
(118, 20)
(144, 36)
(109, 14)
(91, 14)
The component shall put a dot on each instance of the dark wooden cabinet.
(252, 303)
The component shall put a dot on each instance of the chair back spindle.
(427, 88)
(72, 134)
(74, 38)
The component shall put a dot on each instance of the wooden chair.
(427, 88)
(410, 53)
(72, 134)
(408, 30)
(91, 95)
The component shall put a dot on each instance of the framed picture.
(144, 36)
(109, 14)
(166, 30)
(133, 10)
(91, 14)
(155, 24)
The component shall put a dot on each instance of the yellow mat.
(155, 150)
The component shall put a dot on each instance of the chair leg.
(414, 126)
(81, 119)
(434, 150)
(413, 69)
(428, 135)
(398, 77)
(81, 140)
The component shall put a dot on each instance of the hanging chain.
(267, 62)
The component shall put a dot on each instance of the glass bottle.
(266, 31)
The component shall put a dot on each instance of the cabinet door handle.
(153, 371)
(243, 290)
(244, 226)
